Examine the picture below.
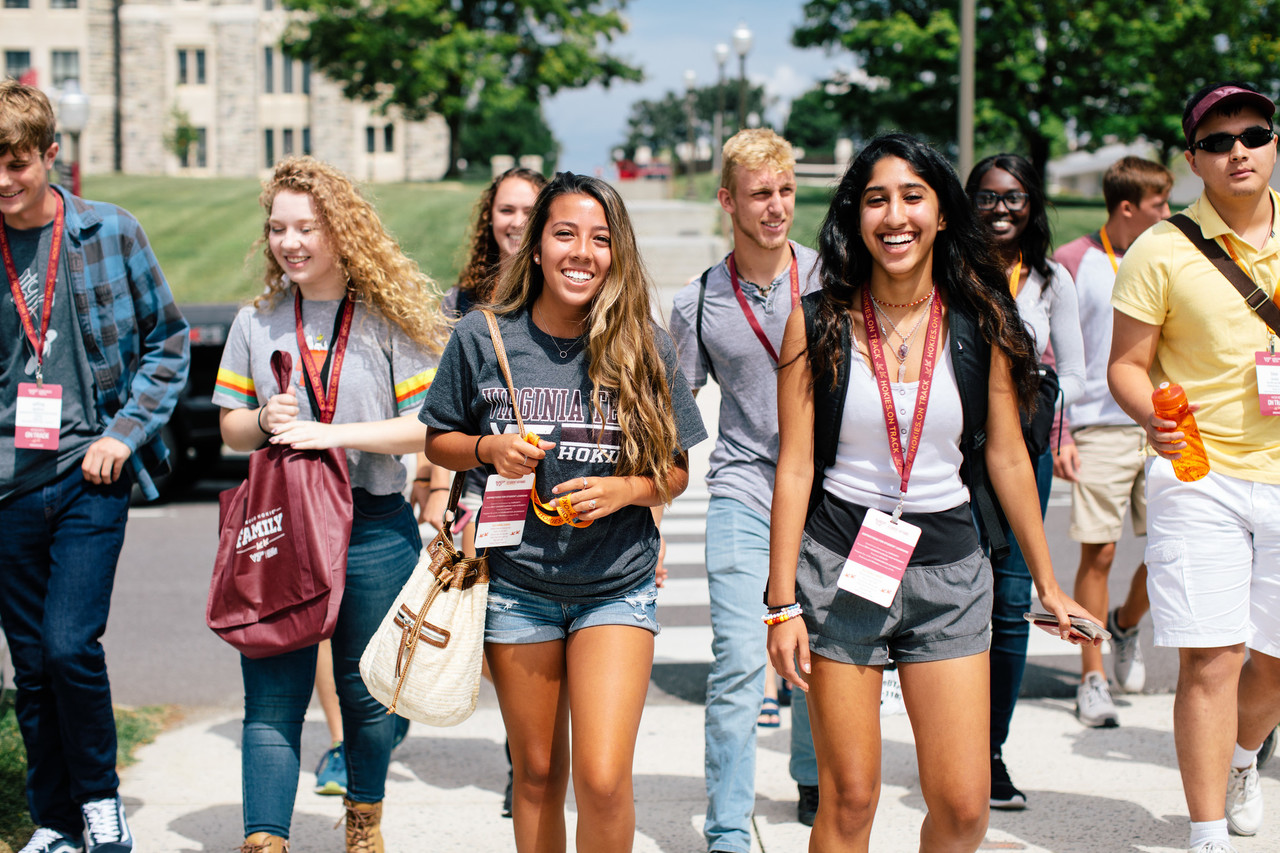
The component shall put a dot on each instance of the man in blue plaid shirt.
(93, 357)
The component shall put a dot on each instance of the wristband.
(777, 618)
(437, 489)
(477, 450)
(265, 431)
(422, 480)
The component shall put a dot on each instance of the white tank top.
(864, 472)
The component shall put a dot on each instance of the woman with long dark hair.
(608, 420)
(1009, 199)
(910, 354)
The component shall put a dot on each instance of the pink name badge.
(879, 557)
(502, 515)
(1268, 382)
(38, 417)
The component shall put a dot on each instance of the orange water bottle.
(1170, 402)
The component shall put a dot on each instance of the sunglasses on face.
(1221, 143)
(987, 200)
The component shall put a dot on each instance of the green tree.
(663, 123)
(518, 130)
(458, 57)
(1105, 67)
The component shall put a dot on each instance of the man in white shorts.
(1213, 549)
(1102, 451)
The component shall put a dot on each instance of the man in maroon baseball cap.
(1213, 551)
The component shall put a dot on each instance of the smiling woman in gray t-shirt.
(571, 613)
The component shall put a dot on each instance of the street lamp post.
(690, 113)
(73, 115)
(722, 56)
(742, 46)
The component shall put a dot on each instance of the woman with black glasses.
(1008, 196)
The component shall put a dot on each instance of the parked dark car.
(192, 434)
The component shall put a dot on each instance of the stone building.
(216, 67)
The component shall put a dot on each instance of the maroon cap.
(1221, 96)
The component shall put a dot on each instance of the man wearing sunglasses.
(1213, 547)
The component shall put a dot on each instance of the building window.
(269, 143)
(63, 4)
(182, 68)
(286, 73)
(200, 68)
(16, 62)
(370, 139)
(66, 66)
(268, 70)
(306, 141)
(197, 154)
(306, 76)
(389, 138)
(17, 4)
(191, 67)
(268, 5)
(286, 141)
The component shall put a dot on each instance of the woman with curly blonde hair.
(609, 419)
(342, 299)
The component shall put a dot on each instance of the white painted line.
(681, 592)
(685, 644)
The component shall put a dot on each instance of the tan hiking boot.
(364, 833)
(261, 842)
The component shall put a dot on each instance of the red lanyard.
(50, 280)
(746, 308)
(328, 403)
(903, 460)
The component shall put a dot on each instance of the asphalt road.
(160, 651)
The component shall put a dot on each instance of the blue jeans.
(57, 569)
(1009, 630)
(384, 549)
(737, 570)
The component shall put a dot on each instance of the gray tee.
(469, 395)
(744, 461)
(384, 374)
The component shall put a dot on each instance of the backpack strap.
(1254, 296)
(828, 400)
(702, 349)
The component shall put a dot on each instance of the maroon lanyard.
(746, 307)
(50, 280)
(903, 461)
(328, 403)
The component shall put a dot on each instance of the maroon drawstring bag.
(282, 548)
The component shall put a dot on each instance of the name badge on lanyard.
(885, 543)
(1268, 366)
(503, 513)
(39, 410)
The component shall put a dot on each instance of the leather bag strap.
(501, 350)
(1254, 296)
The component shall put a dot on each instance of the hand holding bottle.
(1177, 437)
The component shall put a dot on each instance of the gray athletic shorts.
(939, 613)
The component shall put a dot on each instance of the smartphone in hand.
(1085, 627)
(464, 516)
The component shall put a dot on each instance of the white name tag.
(38, 417)
(1268, 382)
(879, 557)
(502, 515)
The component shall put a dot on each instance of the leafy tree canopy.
(518, 130)
(457, 57)
(663, 123)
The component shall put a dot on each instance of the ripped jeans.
(516, 615)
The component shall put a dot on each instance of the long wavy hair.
(377, 270)
(966, 270)
(1035, 239)
(622, 348)
(481, 267)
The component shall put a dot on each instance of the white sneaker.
(1130, 670)
(1244, 800)
(1212, 847)
(47, 840)
(891, 694)
(1093, 703)
(105, 829)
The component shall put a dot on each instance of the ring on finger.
(592, 503)
(584, 482)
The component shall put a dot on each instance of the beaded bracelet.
(777, 617)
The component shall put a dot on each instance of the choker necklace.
(904, 349)
(564, 349)
(902, 304)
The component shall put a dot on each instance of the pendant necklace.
(904, 349)
(564, 349)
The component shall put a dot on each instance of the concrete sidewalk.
(1088, 789)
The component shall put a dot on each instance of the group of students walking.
(872, 496)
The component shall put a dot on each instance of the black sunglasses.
(987, 200)
(1221, 143)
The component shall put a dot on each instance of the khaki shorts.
(1111, 481)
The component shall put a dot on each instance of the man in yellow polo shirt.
(1213, 549)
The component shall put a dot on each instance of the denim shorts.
(517, 616)
(939, 613)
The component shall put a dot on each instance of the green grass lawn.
(134, 727)
(203, 230)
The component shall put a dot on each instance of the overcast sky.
(668, 37)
